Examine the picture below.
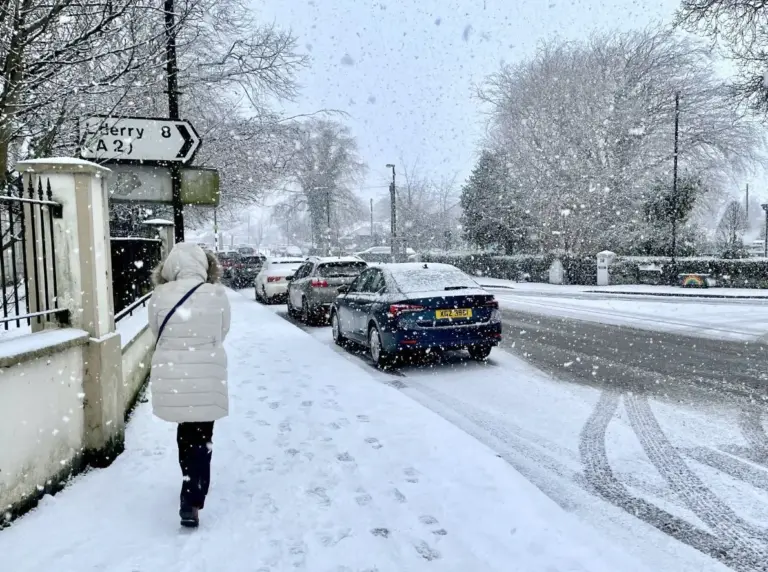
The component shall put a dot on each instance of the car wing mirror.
(288, 278)
(343, 289)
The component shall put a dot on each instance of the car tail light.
(492, 303)
(319, 283)
(397, 309)
(274, 278)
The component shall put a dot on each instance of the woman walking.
(189, 314)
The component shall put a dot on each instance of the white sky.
(404, 70)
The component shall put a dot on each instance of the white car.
(270, 283)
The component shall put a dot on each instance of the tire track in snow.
(745, 544)
(602, 482)
(751, 425)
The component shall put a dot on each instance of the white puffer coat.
(189, 366)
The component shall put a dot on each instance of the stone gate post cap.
(607, 256)
(158, 222)
(61, 165)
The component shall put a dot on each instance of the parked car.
(246, 269)
(414, 306)
(271, 282)
(381, 253)
(228, 259)
(246, 251)
(313, 288)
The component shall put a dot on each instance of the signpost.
(156, 148)
(138, 140)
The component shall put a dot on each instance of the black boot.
(189, 515)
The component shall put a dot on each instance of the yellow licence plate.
(457, 313)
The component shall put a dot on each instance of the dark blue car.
(416, 306)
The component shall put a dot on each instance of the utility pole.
(765, 208)
(393, 214)
(372, 240)
(747, 205)
(328, 216)
(674, 176)
(215, 229)
(172, 73)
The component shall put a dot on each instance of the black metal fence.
(27, 255)
(133, 260)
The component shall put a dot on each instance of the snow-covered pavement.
(319, 467)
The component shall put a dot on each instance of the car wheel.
(267, 299)
(479, 353)
(291, 309)
(338, 337)
(378, 355)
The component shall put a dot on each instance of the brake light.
(492, 303)
(397, 309)
(274, 278)
(319, 283)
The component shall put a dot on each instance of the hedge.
(582, 269)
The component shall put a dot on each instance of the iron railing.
(133, 260)
(27, 255)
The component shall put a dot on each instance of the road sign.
(138, 140)
(148, 184)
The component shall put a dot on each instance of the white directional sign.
(134, 139)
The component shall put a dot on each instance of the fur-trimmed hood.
(187, 260)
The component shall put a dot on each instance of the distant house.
(360, 238)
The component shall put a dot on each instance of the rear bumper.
(276, 289)
(488, 334)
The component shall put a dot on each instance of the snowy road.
(657, 439)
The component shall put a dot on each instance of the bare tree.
(730, 231)
(586, 128)
(741, 29)
(325, 168)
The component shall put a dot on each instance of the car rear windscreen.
(432, 279)
(340, 269)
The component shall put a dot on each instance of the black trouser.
(195, 449)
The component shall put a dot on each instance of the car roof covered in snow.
(337, 259)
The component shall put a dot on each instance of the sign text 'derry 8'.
(134, 139)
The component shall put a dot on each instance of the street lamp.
(393, 207)
(765, 208)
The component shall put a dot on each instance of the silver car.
(314, 286)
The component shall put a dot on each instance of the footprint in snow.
(429, 520)
(306, 404)
(333, 425)
(374, 442)
(363, 418)
(426, 552)
(263, 397)
(345, 457)
(383, 532)
(274, 405)
(292, 452)
(399, 497)
(284, 426)
(262, 422)
(320, 494)
(363, 498)
(411, 475)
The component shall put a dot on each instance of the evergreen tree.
(492, 214)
